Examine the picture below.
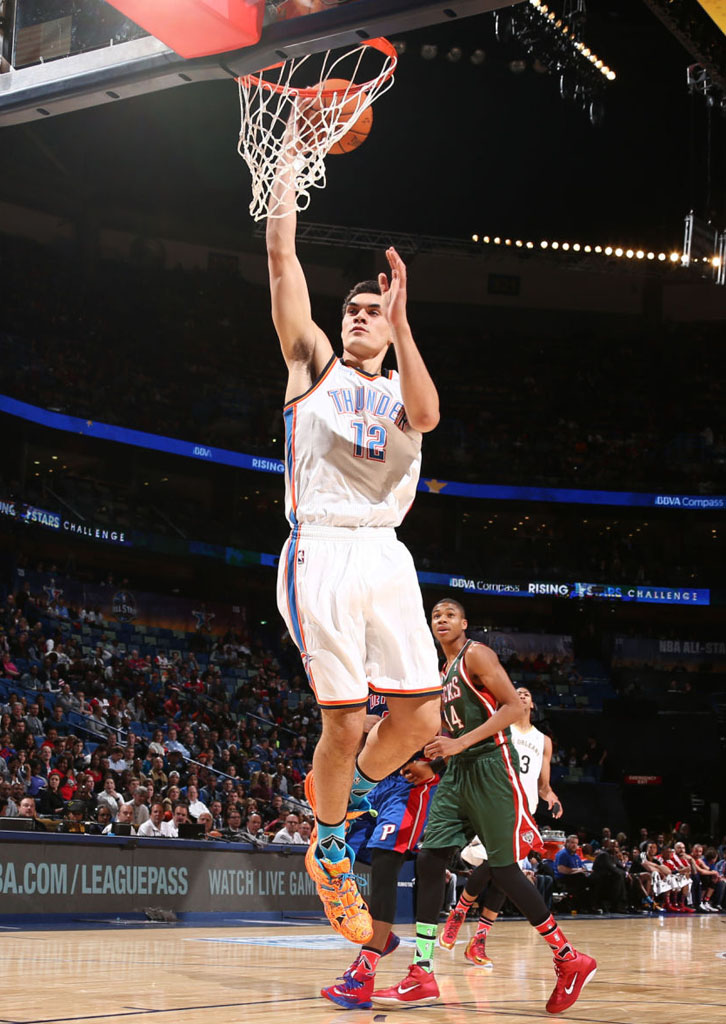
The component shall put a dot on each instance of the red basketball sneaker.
(355, 988)
(476, 953)
(417, 989)
(572, 976)
(450, 931)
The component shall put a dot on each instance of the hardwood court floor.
(650, 972)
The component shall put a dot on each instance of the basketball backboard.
(64, 55)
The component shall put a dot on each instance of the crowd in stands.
(108, 730)
(192, 357)
(99, 736)
(657, 873)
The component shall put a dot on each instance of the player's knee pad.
(385, 868)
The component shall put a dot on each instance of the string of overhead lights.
(620, 252)
(544, 11)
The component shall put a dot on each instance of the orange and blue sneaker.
(355, 988)
(476, 953)
(572, 976)
(344, 906)
(450, 931)
(418, 988)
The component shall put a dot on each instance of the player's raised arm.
(420, 397)
(303, 343)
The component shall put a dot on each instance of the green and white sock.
(423, 956)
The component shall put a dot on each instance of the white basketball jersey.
(530, 747)
(351, 458)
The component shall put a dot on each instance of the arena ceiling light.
(568, 33)
(579, 249)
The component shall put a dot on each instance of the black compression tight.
(431, 882)
(385, 868)
(481, 879)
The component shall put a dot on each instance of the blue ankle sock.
(331, 841)
(361, 787)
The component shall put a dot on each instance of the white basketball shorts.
(352, 603)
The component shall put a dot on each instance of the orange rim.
(309, 92)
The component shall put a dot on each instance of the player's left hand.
(443, 746)
(554, 805)
(393, 293)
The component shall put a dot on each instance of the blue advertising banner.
(260, 464)
(581, 591)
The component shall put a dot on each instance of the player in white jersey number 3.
(347, 588)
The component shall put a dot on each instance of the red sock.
(368, 960)
(465, 902)
(552, 934)
(483, 928)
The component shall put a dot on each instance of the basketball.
(359, 127)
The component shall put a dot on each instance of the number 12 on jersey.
(371, 443)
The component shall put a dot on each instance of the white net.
(288, 128)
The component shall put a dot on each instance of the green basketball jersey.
(466, 706)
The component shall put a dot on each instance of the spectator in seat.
(608, 879)
(73, 821)
(33, 722)
(110, 796)
(634, 867)
(289, 834)
(680, 879)
(180, 816)
(253, 828)
(305, 831)
(27, 810)
(139, 805)
(50, 801)
(593, 759)
(571, 873)
(210, 832)
(125, 816)
(660, 875)
(196, 806)
(152, 827)
(709, 879)
(102, 822)
(158, 775)
(233, 830)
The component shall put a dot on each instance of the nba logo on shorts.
(301, 557)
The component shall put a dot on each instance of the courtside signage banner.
(261, 464)
(78, 875)
(582, 591)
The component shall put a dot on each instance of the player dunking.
(534, 750)
(480, 793)
(347, 588)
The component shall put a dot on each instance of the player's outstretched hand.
(393, 293)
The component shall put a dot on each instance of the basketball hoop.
(288, 127)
